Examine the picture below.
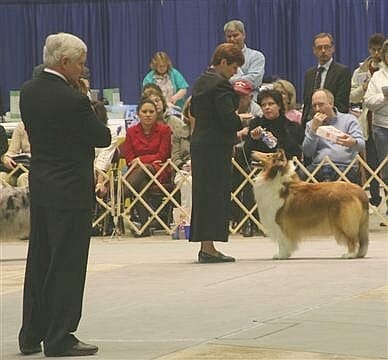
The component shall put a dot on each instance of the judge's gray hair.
(234, 25)
(62, 45)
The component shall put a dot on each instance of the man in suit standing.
(63, 131)
(327, 75)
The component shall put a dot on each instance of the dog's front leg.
(285, 247)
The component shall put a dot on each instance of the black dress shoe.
(31, 350)
(247, 230)
(205, 258)
(78, 349)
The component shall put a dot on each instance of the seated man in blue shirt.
(253, 67)
(343, 150)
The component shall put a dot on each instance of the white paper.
(329, 132)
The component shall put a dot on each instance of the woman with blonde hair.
(169, 79)
(289, 99)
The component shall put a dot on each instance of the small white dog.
(14, 212)
(292, 209)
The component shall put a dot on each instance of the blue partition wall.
(122, 35)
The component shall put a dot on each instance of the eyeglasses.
(375, 50)
(323, 47)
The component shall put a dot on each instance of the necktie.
(318, 77)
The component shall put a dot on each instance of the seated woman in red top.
(150, 142)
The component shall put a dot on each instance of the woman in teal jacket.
(170, 80)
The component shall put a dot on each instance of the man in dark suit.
(63, 131)
(328, 75)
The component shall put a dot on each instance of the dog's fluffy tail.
(363, 234)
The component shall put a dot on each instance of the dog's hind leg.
(351, 229)
(363, 235)
(351, 242)
(352, 253)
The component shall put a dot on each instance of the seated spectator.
(288, 92)
(169, 79)
(104, 156)
(187, 118)
(267, 134)
(343, 150)
(150, 142)
(247, 108)
(180, 156)
(178, 127)
(150, 87)
(19, 152)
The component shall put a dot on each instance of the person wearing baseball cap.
(247, 109)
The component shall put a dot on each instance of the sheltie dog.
(14, 212)
(291, 209)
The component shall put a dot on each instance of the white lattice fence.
(128, 197)
(106, 205)
(168, 194)
(368, 176)
(122, 197)
(18, 170)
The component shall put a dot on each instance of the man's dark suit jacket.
(63, 131)
(338, 81)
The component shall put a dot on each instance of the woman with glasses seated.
(180, 156)
(266, 134)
